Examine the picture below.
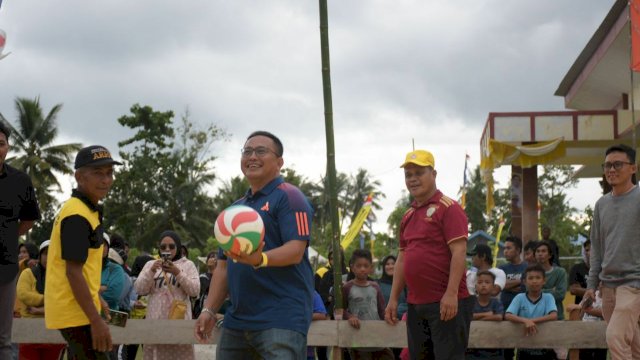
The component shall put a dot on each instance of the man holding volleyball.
(271, 289)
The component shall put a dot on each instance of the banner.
(357, 223)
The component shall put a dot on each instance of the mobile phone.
(118, 318)
(165, 256)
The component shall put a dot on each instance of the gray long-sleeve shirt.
(615, 241)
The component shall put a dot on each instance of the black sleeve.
(75, 235)
(29, 210)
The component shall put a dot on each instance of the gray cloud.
(400, 70)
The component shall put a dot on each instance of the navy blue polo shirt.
(273, 297)
(17, 203)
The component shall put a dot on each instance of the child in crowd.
(593, 312)
(319, 313)
(555, 276)
(530, 252)
(482, 259)
(30, 292)
(531, 308)
(513, 269)
(363, 300)
(487, 308)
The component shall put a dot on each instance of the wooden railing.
(484, 334)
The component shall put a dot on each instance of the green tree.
(34, 138)
(308, 188)
(394, 219)
(501, 211)
(319, 197)
(360, 186)
(229, 192)
(162, 183)
(475, 202)
(555, 211)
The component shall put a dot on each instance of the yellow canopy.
(498, 153)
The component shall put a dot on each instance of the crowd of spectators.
(147, 288)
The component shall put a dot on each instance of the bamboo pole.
(331, 162)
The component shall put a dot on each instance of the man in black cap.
(18, 211)
(72, 303)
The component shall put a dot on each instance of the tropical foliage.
(38, 155)
(162, 184)
(168, 170)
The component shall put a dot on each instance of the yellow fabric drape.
(498, 153)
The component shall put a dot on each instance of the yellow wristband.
(263, 263)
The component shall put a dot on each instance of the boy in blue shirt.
(531, 308)
(486, 308)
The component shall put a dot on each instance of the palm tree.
(34, 138)
(320, 199)
(229, 192)
(361, 186)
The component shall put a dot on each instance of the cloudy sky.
(430, 71)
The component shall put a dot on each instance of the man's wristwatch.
(263, 263)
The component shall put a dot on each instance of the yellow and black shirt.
(77, 236)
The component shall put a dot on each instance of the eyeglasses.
(260, 151)
(167, 246)
(616, 165)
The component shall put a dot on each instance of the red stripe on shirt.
(298, 223)
(306, 224)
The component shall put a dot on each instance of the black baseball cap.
(94, 155)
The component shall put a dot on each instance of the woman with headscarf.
(388, 265)
(27, 255)
(112, 279)
(27, 258)
(30, 291)
(166, 280)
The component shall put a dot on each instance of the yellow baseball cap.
(420, 158)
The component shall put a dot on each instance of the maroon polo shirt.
(425, 234)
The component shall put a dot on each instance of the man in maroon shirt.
(431, 263)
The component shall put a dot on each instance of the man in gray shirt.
(615, 254)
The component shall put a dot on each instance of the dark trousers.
(81, 344)
(536, 354)
(321, 352)
(509, 354)
(7, 300)
(433, 339)
(593, 354)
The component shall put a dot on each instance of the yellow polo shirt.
(61, 308)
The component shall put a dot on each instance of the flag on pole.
(634, 16)
(357, 223)
(465, 181)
